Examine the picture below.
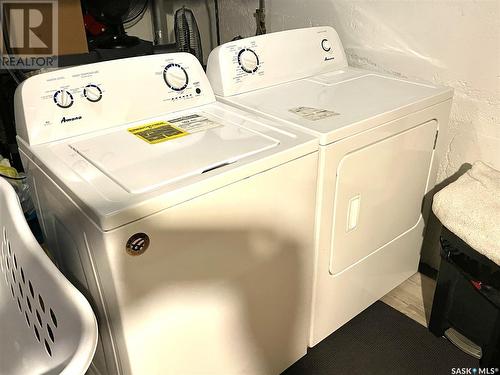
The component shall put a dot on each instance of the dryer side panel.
(379, 193)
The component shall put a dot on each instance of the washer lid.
(149, 155)
(336, 105)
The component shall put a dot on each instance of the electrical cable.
(12, 178)
(217, 27)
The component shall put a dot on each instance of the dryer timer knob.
(326, 45)
(248, 60)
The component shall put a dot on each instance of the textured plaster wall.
(237, 18)
(454, 43)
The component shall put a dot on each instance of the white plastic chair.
(46, 325)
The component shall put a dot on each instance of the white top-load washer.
(379, 149)
(186, 222)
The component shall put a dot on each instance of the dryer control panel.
(73, 101)
(267, 60)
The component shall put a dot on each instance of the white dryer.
(186, 222)
(379, 150)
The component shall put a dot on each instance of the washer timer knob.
(175, 77)
(326, 45)
(93, 93)
(63, 98)
(248, 60)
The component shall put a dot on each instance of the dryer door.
(381, 180)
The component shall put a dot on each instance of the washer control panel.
(77, 100)
(265, 60)
(175, 77)
(63, 98)
(92, 92)
(326, 45)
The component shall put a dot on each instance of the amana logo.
(69, 119)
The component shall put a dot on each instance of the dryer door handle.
(353, 213)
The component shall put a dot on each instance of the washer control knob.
(93, 93)
(175, 77)
(326, 45)
(248, 60)
(63, 98)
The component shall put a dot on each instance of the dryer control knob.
(63, 98)
(326, 45)
(175, 77)
(248, 60)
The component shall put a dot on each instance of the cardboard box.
(72, 38)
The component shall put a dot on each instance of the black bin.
(466, 306)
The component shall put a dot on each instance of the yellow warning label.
(157, 132)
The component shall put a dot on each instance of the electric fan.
(187, 34)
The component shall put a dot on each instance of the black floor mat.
(381, 340)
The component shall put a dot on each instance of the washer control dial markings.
(63, 98)
(175, 77)
(93, 93)
(248, 60)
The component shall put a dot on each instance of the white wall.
(454, 43)
(237, 18)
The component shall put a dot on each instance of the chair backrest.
(46, 325)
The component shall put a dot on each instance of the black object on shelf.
(114, 14)
(142, 48)
(466, 307)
